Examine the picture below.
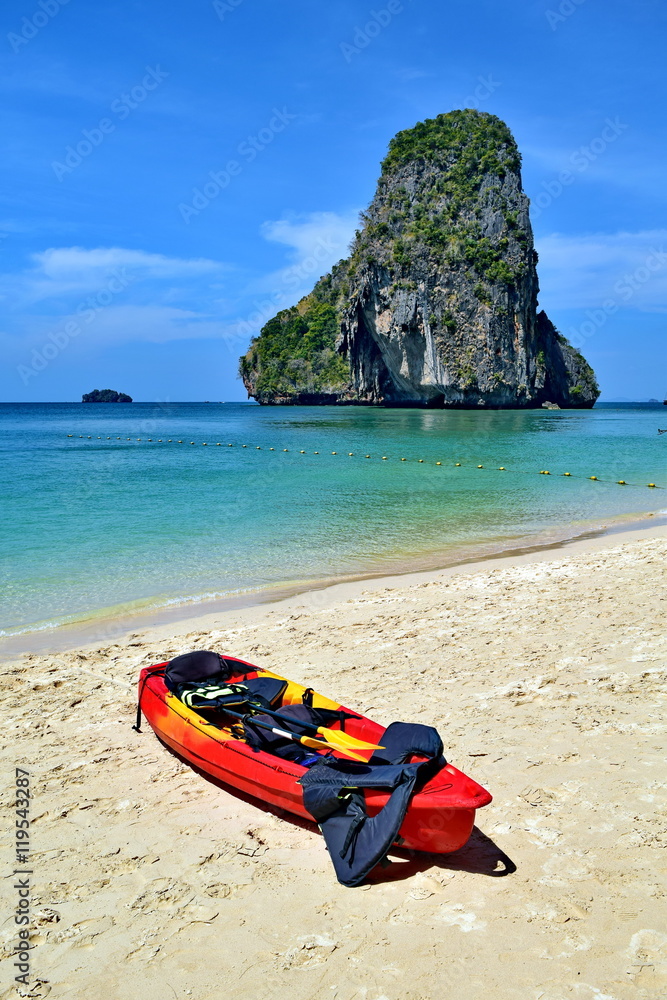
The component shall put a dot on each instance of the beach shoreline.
(189, 613)
(544, 674)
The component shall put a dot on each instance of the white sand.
(545, 676)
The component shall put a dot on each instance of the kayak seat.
(202, 665)
(403, 740)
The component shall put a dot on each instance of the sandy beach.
(545, 675)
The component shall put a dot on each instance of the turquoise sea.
(106, 521)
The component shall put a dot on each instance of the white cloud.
(156, 324)
(582, 271)
(315, 241)
(111, 295)
(305, 234)
(116, 295)
(61, 271)
(85, 333)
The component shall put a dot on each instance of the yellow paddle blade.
(345, 740)
(310, 741)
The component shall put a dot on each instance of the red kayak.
(440, 815)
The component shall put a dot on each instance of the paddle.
(307, 741)
(336, 736)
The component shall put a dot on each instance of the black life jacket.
(332, 794)
(218, 695)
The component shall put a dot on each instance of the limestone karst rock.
(437, 303)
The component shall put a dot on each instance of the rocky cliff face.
(437, 303)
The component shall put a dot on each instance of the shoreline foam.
(112, 623)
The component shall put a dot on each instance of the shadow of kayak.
(479, 856)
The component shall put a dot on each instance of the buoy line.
(386, 458)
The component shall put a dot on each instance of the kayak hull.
(440, 816)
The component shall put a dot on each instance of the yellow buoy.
(285, 449)
(622, 482)
(272, 449)
(457, 463)
(230, 445)
(129, 439)
(70, 435)
(302, 452)
(180, 442)
(592, 477)
(567, 473)
(350, 454)
(421, 460)
(139, 439)
(108, 439)
(117, 439)
(316, 453)
(258, 447)
(244, 445)
(217, 444)
(99, 438)
(150, 439)
(404, 460)
(203, 444)
(438, 463)
(652, 485)
(159, 440)
(367, 456)
(89, 437)
(480, 466)
(546, 472)
(501, 468)
(334, 452)
(169, 441)
(384, 458)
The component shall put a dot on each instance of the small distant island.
(105, 396)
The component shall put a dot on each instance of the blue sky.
(173, 173)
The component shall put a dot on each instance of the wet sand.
(545, 675)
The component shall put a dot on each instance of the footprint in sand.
(313, 949)
(83, 933)
(454, 915)
(648, 956)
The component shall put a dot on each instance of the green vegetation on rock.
(466, 144)
(295, 352)
(437, 302)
